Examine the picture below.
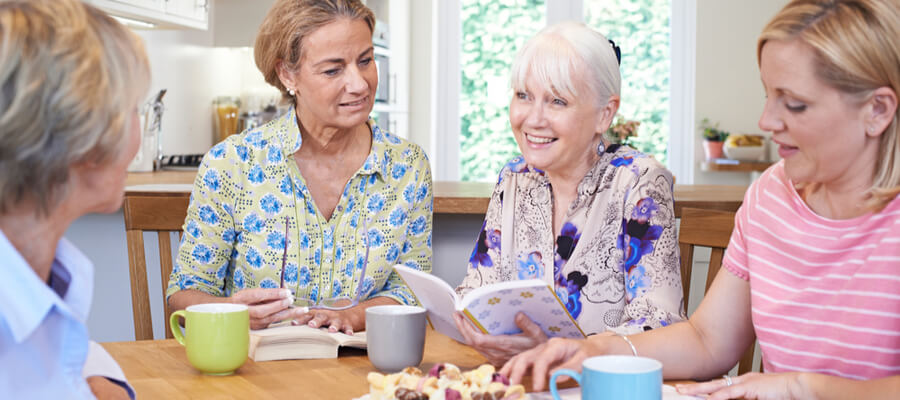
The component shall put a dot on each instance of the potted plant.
(713, 139)
(622, 130)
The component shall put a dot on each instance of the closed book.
(288, 342)
(491, 308)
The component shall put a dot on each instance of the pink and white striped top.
(825, 294)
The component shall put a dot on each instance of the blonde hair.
(855, 48)
(70, 78)
(280, 37)
(555, 52)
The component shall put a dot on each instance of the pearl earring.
(601, 148)
(291, 92)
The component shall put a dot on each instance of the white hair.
(565, 49)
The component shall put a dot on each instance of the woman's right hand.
(551, 355)
(266, 305)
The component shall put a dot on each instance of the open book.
(300, 342)
(491, 308)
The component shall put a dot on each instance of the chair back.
(162, 213)
(707, 228)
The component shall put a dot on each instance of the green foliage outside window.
(492, 32)
(641, 29)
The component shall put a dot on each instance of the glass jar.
(225, 117)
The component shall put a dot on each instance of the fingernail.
(302, 310)
(313, 324)
(295, 323)
(286, 302)
(286, 293)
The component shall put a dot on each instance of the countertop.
(449, 197)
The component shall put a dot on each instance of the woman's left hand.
(499, 349)
(752, 385)
(336, 321)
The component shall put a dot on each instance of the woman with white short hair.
(594, 219)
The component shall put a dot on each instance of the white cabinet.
(156, 5)
(159, 13)
(196, 10)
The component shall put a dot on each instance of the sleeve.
(100, 363)
(209, 228)
(651, 260)
(487, 247)
(735, 259)
(417, 250)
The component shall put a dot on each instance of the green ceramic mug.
(216, 336)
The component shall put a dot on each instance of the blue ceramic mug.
(615, 377)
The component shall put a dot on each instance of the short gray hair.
(554, 53)
(70, 79)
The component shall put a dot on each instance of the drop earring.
(601, 148)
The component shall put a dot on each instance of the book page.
(493, 308)
(438, 298)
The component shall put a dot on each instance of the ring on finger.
(728, 381)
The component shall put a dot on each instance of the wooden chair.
(150, 211)
(707, 228)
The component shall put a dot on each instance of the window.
(488, 49)
(641, 29)
(472, 127)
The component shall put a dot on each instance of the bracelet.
(627, 340)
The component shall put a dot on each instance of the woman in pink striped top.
(813, 267)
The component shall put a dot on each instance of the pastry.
(444, 382)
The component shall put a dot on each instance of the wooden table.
(158, 369)
(449, 197)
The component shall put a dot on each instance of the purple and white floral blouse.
(615, 263)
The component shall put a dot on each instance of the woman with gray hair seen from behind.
(596, 219)
(71, 79)
(303, 218)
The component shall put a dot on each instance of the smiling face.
(820, 131)
(336, 79)
(557, 133)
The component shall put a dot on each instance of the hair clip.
(618, 52)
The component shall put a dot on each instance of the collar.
(614, 156)
(377, 162)
(27, 300)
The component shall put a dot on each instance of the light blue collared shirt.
(43, 337)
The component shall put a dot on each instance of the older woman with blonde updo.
(303, 218)
(71, 79)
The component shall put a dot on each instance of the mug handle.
(176, 329)
(567, 372)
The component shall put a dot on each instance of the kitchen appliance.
(181, 161)
(149, 153)
(383, 63)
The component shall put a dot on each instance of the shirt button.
(340, 208)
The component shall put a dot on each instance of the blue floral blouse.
(615, 264)
(248, 187)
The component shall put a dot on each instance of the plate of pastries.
(443, 382)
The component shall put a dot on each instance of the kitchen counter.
(449, 197)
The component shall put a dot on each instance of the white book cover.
(491, 308)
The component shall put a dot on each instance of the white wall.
(420, 75)
(728, 88)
